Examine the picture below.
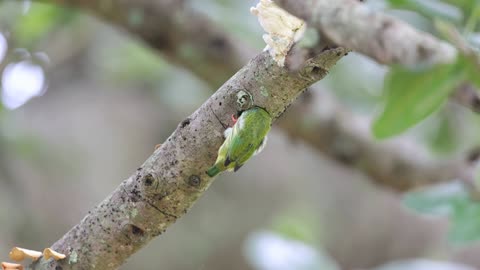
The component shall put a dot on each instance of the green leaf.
(452, 201)
(411, 96)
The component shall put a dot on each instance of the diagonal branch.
(173, 178)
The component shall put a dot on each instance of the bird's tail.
(214, 170)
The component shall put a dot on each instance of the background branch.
(184, 36)
(191, 40)
(354, 25)
(399, 164)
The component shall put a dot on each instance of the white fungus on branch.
(283, 29)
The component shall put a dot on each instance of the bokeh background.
(83, 104)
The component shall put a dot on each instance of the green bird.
(246, 138)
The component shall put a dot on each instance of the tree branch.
(352, 24)
(173, 178)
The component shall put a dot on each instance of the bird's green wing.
(245, 156)
(238, 149)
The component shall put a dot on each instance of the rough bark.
(173, 178)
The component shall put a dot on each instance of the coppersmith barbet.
(246, 138)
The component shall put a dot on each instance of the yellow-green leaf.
(411, 96)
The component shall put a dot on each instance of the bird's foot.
(234, 119)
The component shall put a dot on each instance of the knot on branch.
(194, 181)
(244, 100)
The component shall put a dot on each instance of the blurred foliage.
(296, 226)
(412, 94)
(270, 251)
(465, 5)
(450, 200)
(430, 9)
(26, 146)
(234, 16)
(468, 59)
(362, 90)
(443, 137)
(2, 110)
(39, 21)
(133, 62)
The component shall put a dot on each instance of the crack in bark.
(138, 197)
(159, 210)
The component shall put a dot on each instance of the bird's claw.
(234, 119)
